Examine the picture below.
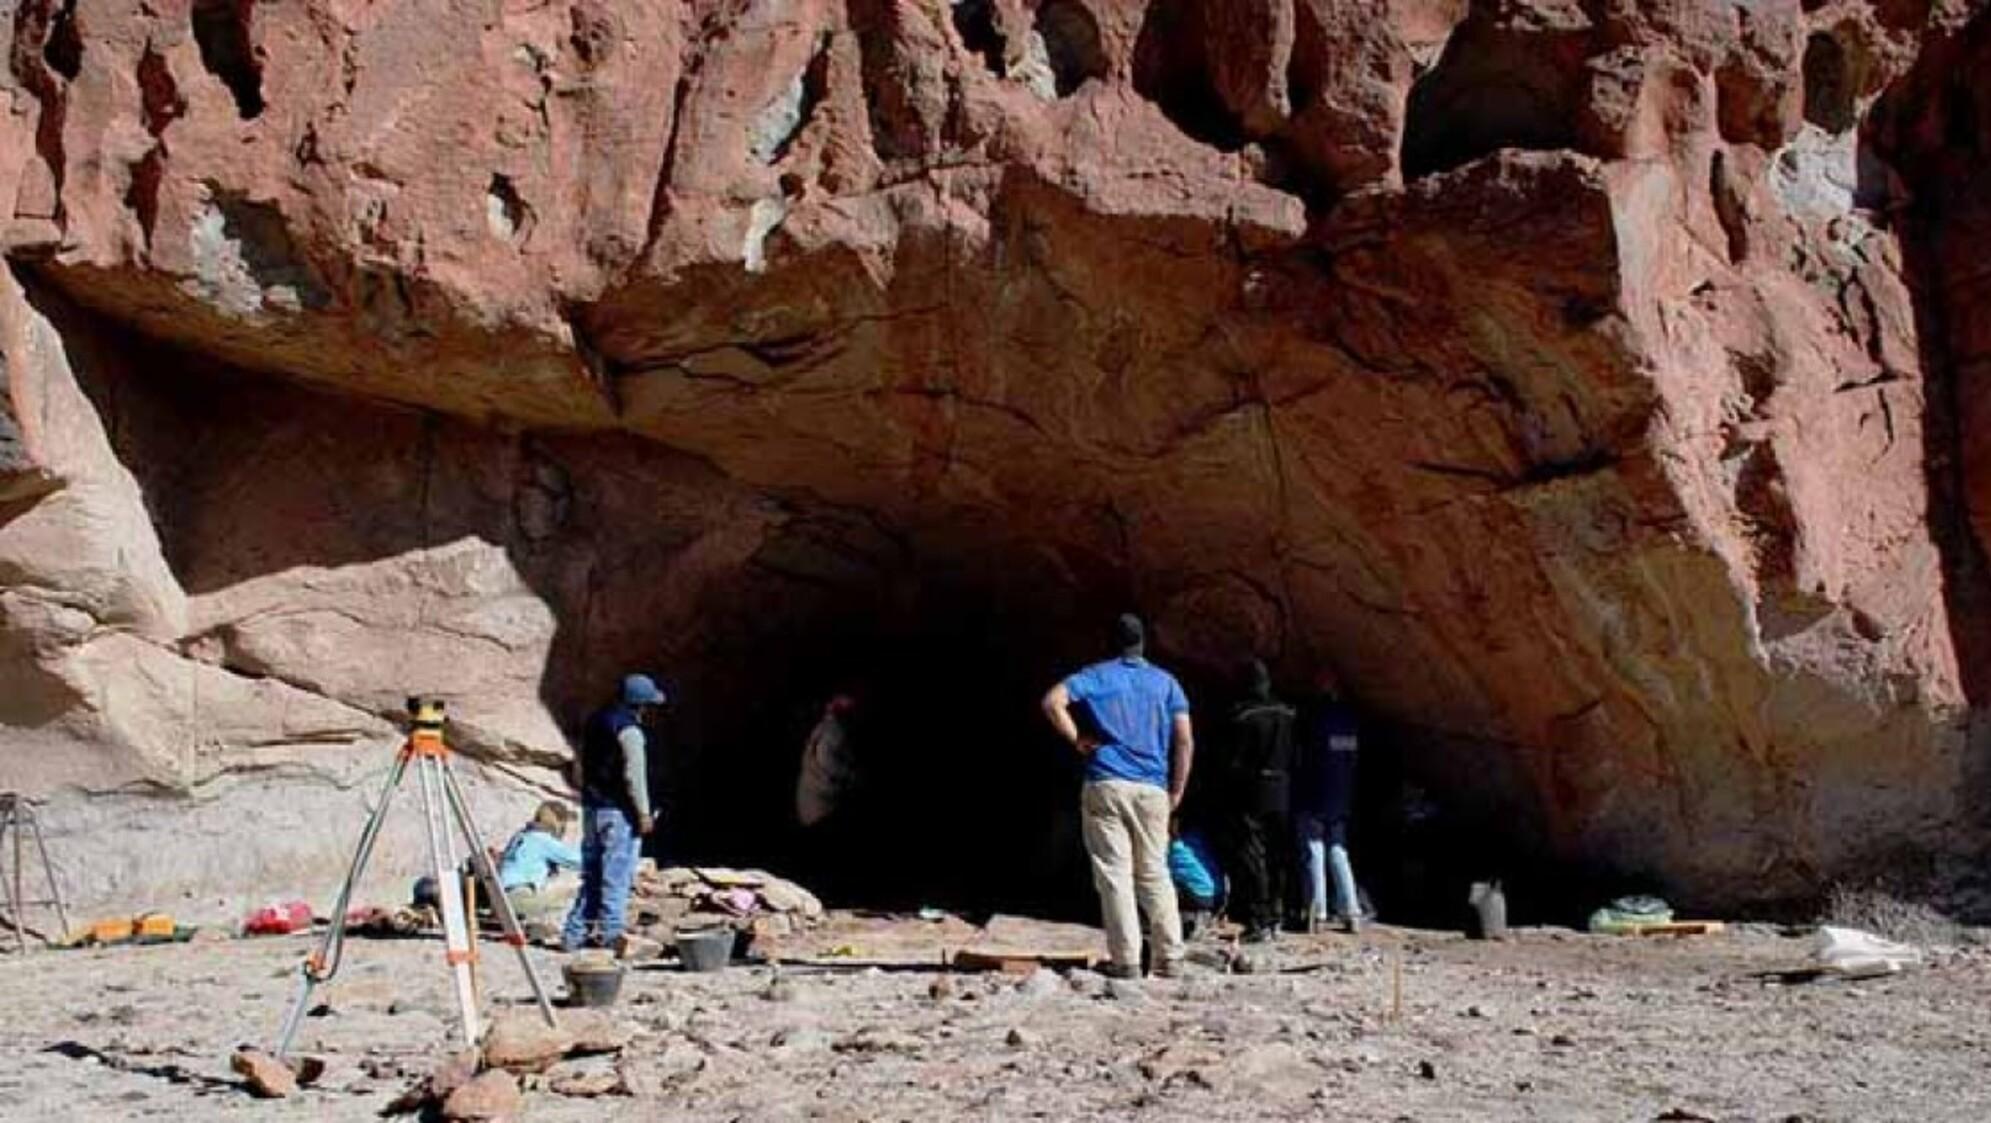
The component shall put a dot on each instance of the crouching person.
(530, 866)
(1199, 880)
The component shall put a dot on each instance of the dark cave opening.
(962, 798)
(966, 800)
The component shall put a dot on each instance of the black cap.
(1129, 637)
(1257, 679)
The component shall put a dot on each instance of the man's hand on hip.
(644, 825)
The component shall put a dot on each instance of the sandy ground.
(1549, 1025)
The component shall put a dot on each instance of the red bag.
(278, 918)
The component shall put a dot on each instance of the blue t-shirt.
(533, 856)
(1133, 704)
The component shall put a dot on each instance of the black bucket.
(705, 949)
(593, 982)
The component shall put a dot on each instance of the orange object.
(155, 924)
(114, 930)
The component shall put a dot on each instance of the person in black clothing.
(1323, 803)
(1259, 791)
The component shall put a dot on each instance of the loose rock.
(491, 1097)
(267, 1077)
(872, 1039)
(594, 1032)
(454, 1072)
(523, 1042)
(587, 1083)
(1042, 984)
(800, 1040)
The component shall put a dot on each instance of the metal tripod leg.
(323, 963)
(16, 897)
(457, 937)
(501, 906)
(54, 890)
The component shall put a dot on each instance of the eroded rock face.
(1559, 375)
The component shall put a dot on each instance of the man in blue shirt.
(1137, 745)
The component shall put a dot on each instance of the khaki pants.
(539, 910)
(1126, 833)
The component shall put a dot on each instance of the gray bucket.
(593, 982)
(705, 949)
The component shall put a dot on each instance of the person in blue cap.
(615, 814)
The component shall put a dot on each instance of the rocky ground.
(1550, 1025)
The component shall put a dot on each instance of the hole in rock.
(221, 28)
(147, 175)
(64, 50)
(974, 21)
(775, 130)
(505, 211)
(1830, 85)
(1172, 69)
(255, 236)
(159, 95)
(1307, 68)
(1486, 94)
(594, 33)
(1071, 43)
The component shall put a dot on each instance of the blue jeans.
(1324, 844)
(609, 850)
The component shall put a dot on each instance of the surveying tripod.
(17, 816)
(442, 800)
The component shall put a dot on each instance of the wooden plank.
(1019, 960)
(857, 963)
(1683, 928)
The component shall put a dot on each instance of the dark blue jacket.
(1325, 784)
(602, 781)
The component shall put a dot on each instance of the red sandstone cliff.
(1590, 385)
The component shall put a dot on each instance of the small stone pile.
(700, 896)
(579, 1057)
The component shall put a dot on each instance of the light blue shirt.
(1132, 704)
(533, 856)
(1193, 865)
